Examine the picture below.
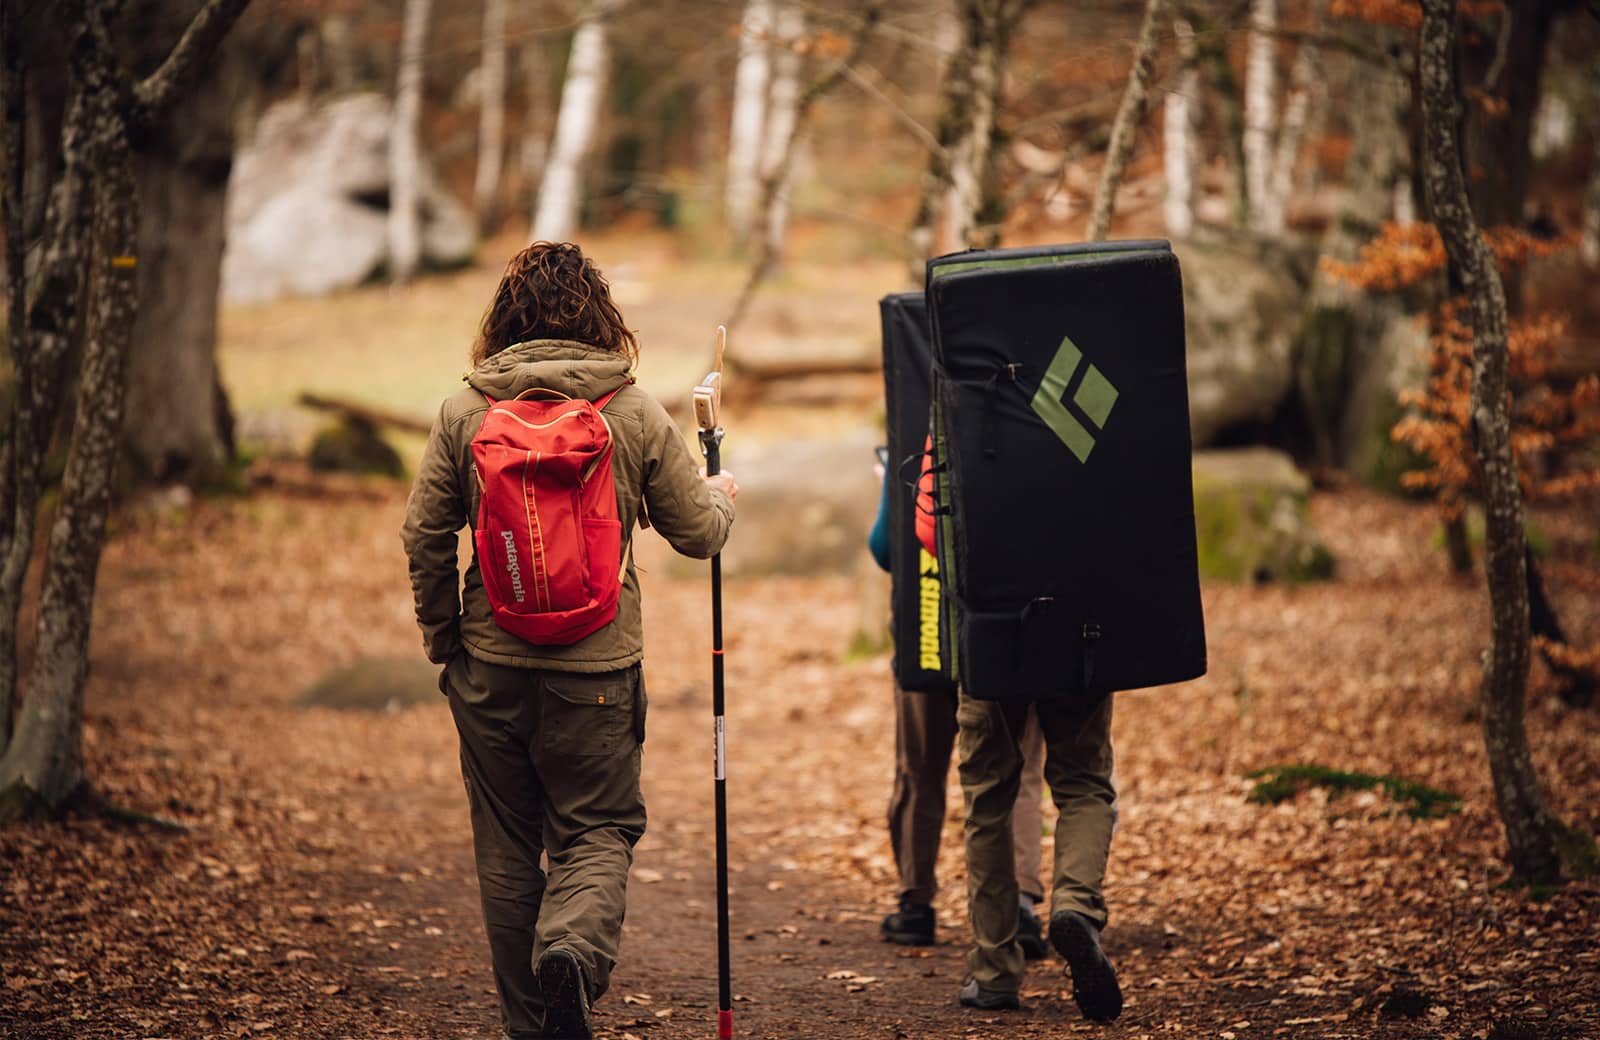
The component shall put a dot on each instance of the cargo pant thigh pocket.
(588, 716)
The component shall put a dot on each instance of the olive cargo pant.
(924, 734)
(551, 765)
(1078, 769)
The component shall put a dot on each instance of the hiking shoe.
(1029, 936)
(1094, 980)
(911, 925)
(975, 996)
(566, 995)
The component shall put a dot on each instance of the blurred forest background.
(247, 248)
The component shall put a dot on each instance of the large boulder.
(805, 506)
(308, 203)
(1251, 518)
(1242, 311)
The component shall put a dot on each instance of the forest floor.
(325, 885)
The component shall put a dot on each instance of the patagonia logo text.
(513, 567)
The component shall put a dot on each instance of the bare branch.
(158, 91)
(923, 135)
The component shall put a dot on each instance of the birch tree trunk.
(560, 196)
(970, 151)
(41, 770)
(1179, 125)
(782, 99)
(405, 158)
(745, 133)
(1532, 830)
(961, 179)
(491, 114)
(1260, 107)
(1296, 113)
(955, 92)
(1129, 115)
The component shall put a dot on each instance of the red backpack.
(548, 540)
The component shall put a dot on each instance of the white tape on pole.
(722, 753)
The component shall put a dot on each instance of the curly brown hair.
(552, 291)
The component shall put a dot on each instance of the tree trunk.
(41, 770)
(1531, 829)
(1296, 113)
(179, 426)
(745, 133)
(1179, 128)
(44, 763)
(1129, 114)
(782, 100)
(1503, 57)
(975, 207)
(43, 317)
(955, 113)
(767, 259)
(491, 114)
(405, 157)
(1260, 107)
(560, 196)
(1212, 42)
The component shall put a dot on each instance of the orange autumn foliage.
(1547, 423)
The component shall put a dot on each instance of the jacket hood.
(575, 369)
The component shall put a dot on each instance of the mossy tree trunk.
(41, 768)
(1135, 99)
(1533, 832)
(961, 179)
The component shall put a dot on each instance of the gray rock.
(308, 202)
(1241, 315)
(1251, 518)
(377, 684)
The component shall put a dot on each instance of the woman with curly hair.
(551, 734)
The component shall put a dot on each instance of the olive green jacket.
(658, 484)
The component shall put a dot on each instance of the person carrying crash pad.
(925, 734)
(552, 455)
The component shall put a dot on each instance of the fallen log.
(365, 414)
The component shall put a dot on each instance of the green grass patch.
(1276, 784)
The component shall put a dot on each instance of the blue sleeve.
(878, 538)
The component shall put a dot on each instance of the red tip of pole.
(724, 1025)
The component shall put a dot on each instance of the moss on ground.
(1276, 784)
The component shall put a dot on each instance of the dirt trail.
(326, 888)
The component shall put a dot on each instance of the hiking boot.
(566, 995)
(1029, 936)
(911, 925)
(1094, 980)
(975, 996)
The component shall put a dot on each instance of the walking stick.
(707, 404)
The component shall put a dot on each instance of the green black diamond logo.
(1093, 399)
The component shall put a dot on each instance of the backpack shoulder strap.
(603, 401)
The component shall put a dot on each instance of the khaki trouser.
(1078, 768)
(925, 733)
(551, 765)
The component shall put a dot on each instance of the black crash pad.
(920, 623)
(1062, 439)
